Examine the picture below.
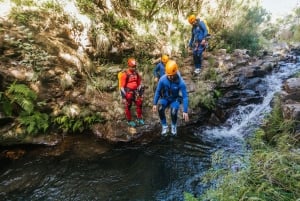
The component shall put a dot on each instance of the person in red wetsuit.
(132, 92)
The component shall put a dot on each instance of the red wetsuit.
(130, 81)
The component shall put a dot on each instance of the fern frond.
(22, 89)
(27, 105)
(76, 124)
(6, 106)
(21, 95)
(34, 123)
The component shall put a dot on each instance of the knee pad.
(161, 110)
(139, 102)
(174, 115)
(160, 107)
(129, 96)
(174, 112)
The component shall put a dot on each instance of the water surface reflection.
(162, 170)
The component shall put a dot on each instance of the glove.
(122, 92)
(141, 90)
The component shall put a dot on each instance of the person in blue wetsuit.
(167, 94)
(159, 69)
(197, 42)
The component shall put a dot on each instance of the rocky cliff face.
(73, 79)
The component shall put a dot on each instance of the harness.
(134, 92)
(196, 45)
(167, 91)
(128, 75)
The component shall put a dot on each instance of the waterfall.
(246, 118)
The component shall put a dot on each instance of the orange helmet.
(171, 67)
(131, 62)
(164, 58)
(192, 19)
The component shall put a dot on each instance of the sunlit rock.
(66, 81)
(18, 74)
(72, 110)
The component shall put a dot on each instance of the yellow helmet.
(164, 58)
(192, 19)
(171, 67)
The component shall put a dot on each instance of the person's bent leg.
(174, 115)
(162, 115)
(161, 112)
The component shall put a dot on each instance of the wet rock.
(250, 83)
(254, 71)
(13, 154)
(239, 97)
(267, 66)
(291, 111)
(231, 82)
(292, 85)
(287, 97)
(290, 101)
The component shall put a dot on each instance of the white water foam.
(247, 118)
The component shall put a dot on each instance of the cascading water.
(246, 118)
(161, 170)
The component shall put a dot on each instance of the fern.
(22, 96)
(5, 104)
(76, 124)
(90, 119)
(22, 89)
(35, 122)
(25, 104)
(25, 98)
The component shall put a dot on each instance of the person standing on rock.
(197, 42)
(159, 69)
(132, 92)
(167, 94)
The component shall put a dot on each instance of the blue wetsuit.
(170, 93)
(159, 70)
(199, 32)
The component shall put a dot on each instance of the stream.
(161, 170)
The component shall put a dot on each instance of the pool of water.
(162, 170)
